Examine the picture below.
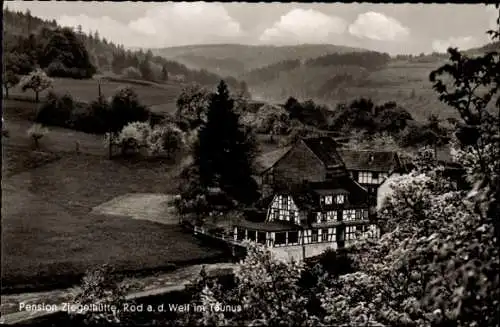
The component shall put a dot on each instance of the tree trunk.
(36, 97)
(6, 92)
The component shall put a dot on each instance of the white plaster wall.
(295, 252)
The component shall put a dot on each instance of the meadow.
(50, 233)
(160, 97)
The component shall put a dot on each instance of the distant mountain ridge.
(236, 59)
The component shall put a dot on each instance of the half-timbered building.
(306, 219)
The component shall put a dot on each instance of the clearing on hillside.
(143, 206)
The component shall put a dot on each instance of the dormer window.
(340, 199)
(328, 199)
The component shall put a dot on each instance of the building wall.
(296, 252)
(298, 165)
(283, 208)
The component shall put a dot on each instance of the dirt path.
(139, 287)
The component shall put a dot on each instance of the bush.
(100, 287)
(37, 132)
(131, 72)
(167, 139)
(56, 111)
(133, 137)
(126, 108)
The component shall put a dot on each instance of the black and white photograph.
(250, 164)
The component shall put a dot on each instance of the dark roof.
(268, 159)
(357, 193)
(268, 226)
(307, 195)
(370, 160)
(325, 148)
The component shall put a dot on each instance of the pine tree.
(224, 152)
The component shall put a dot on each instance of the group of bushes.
(98, 117)
(164, 140)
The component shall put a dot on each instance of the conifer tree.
(224, 151)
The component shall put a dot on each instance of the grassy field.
(158, 95)
(50, 235)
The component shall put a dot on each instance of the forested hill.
(30, 41)
(237, 59)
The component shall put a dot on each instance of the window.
(324, 218)
(282, 214)
(324, 235)
(364, 177)
(283, 202)
(319, 217)
(349, 215)
(375, 177)
(280, 238)
(350, 233)
(314, 236)
(361, 229)
(293, 237)
(365, 213)
(328, 199)
(359, 214)
(340, 199)
(330, 216)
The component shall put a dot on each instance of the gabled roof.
(370, 160)
(268, 159)
(307, 195)
(325, 148)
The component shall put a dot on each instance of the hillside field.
(159, 97)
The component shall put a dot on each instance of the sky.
(392, 28)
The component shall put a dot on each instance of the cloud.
(304, 26)
(463, 43)
(167, 24)
(377, 26)
(493, 16)
(107, 27)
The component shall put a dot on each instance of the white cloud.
(463, 43)
(493, 15)
(167, 24)
(106, 26)
(304, 26)
(377, 26)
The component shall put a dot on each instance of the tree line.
(31, 42)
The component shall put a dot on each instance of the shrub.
(133, 137)
(100, 288)
(36, 133)
(131, 72)
(126, 108)
(56, 111)
(167, 139)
